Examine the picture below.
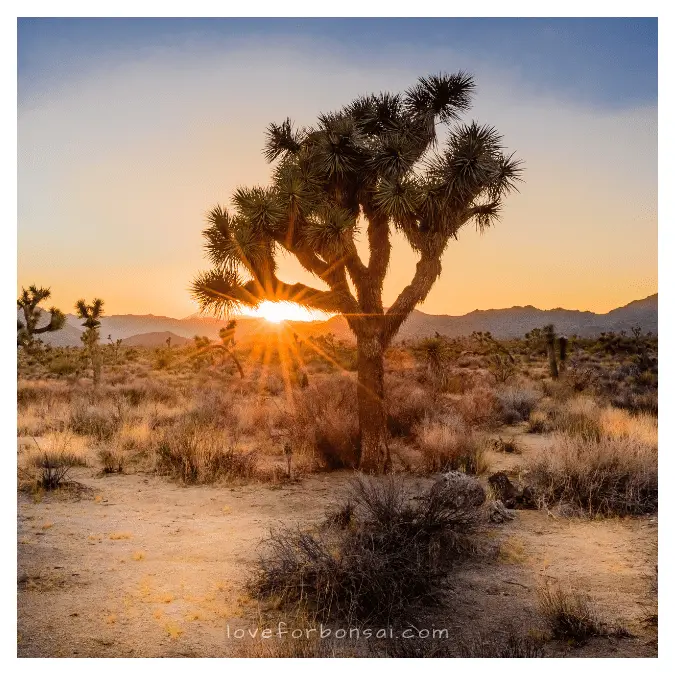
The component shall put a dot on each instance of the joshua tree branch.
(380, 249)
(427, 271)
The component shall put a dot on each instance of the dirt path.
(143, 567)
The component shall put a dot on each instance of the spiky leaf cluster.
(375, 162)
(28, 302)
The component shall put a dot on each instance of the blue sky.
(129, 130)
(606, 61)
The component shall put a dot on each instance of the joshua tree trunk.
(236, 362)
(552, 363)
(374, 456)
(562, 345)
(361, 162)
(96, 364)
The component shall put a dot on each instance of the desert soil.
(134, 565)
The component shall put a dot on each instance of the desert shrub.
(578, 416)
(407, 406)
(558, 390)
(447, 445)
(308, 646)
(502, 367)
(647, 402)
(610, 476)
(252, 417)
(617, 423)
(112, 459)
(517, 404)
(137, 393)
(395, 550)
(487, 647)
(45, 393)
(579, 378)
(211, 407)
(478, 407)
(47, 465)
(134, 436)
(539, 423)
(191, 454)
(471, 361)
(38, 420)
(63, 365)
(324, 422)
(274, 385)
(569, 614)
(98, 422)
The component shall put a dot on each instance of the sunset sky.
(129, 130)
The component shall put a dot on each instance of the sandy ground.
(137, 566)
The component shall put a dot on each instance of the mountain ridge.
(502, 323)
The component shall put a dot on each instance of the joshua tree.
(227, 338)
(555, 365)
(28, 302)
(562, 352)
(90, 338)
(115, 344)
(372, 166)
(201, 341)
(435, 353)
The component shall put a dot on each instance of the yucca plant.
(373, 167)
(90, 338)
(28, 302)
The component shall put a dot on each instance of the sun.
(276, 312)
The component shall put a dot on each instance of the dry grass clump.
(192, 454)
(112, 459)
(98, 421)
(539, 423)
(478, 407)
(579, 416)
(570, 614)
(609, 476)
(393, 553)
(448, 445)
(253, 416)
(134, 436)
(211, 407)
(617, 423)
(325, 423)
(42, 392)
(152, 391)
(40, 419)
(47, 464)
(407, 405)
(488, 647)
(288, 648)
(517, 403)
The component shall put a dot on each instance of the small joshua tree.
(373, 166)
(501, 363)
(557, 362)
(548, 333)
(115, 344)
(90, 338)
(435, 354)
(227, 339)
(226, 334)
(28, 302)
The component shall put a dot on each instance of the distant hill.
(155, 339)
(516, 321)
(502, 323)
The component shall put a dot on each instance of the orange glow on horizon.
(276, 312)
